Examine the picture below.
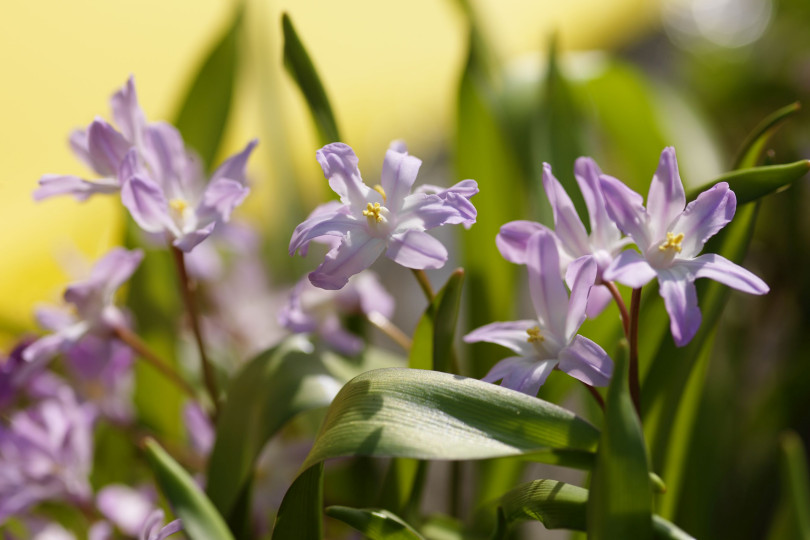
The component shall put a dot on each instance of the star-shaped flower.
(551, 340)
(670, 234)
(387, 217)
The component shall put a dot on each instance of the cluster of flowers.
(46, 448)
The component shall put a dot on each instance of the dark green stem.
(635, 387)
(424, 282)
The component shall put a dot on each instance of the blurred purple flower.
(387, 217)
(152, 529)
(199, 429)
(313, 310)
(93, 313)
(573, 241)
(46, 453)
(670, 234)
(126, 507)
(552, 339)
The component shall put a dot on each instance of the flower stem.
(390, 329)
(186, 288)
(596, 395)
(424, 282)
(635, 387)
(617, 297)
(142, 349)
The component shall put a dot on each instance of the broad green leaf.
(753, 145)
(302, 70)
(433, 339)
(795, 481)
(300, 513)
(620, 502)
(201, 521)
(207, 103)
(753, 183)
(374, 523)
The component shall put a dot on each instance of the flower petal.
(339, 164)
(187, 241)
(630, 269)
(567, 225)
(722, 270)
(339, 339)
(355, 253)
(703, 217)
(528, 375)
(54, 184)
(166, 155)
(127, 113)
(398, 175)
(513, 239)
(511, 335)
(583, 276)
(604, 233)
(666, 198)
(546, 286)
(585, 360)
(423, 212)
(598, 300)
(147, 204)
(326, 220)
(220, 198)
(626, 208)
(680, 300)
(416, 249)
(106, 147)
(234, 167)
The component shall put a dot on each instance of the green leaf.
(302, 70)
(433, 339)
(205, 109)
(375, 524)
(299, 515)
(753, 183)
(200, 519)
(755, 142)
(620, 503)
(795, 481)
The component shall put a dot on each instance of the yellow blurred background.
(391, 71)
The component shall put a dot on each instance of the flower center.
(673, 242)
(534, 335)
(178, 205)
(372, 211)
(379, 189)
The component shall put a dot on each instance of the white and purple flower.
(551, 340)
(670, 235)
(386, 218)
(573, 242)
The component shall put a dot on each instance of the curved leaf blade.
(375, 524)
(207, 104)
(755, 142)
(300, 67)
(433, 340)
(300, 513)
(795, 481)
(201, 521)
(753, 183)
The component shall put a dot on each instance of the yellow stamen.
(178, 205)
(379, 189)
(673, 242)
(373, 210)
(534, 335)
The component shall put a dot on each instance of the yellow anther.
(534, 335)
(373, 210)
(379, 189)
(673, 242)
(178, 205)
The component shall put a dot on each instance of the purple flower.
(387, 217)
(551, 340)
(167, 193)
(46, 453)
(152, 529)
(102, 148)
(200, 431)
(314, 310)
(127, 508)
(93, 314)
(573, 241)
(670, 234)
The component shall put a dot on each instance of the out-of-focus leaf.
(433, 340)
(300, 513)
(375, 524)
(795, 481)
(302, 70)
(753, 183)
(754, 144)
(206, 106)
(201, 521)
(620, 502)
(432, 415)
